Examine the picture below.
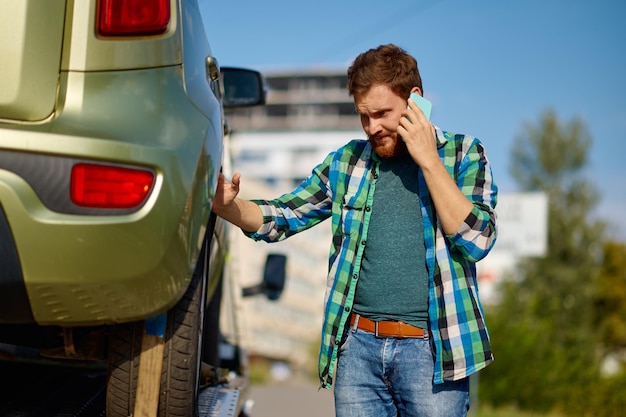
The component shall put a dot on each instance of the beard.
(388, 146)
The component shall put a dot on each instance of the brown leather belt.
(397, 329)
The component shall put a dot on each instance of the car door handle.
(212, 68)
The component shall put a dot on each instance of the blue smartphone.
(425, 105)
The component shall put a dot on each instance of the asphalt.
(291, 398)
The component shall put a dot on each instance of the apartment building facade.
(307, 115)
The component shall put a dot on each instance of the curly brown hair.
(388, 65)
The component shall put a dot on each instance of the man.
(412, 210)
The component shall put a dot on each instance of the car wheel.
(181, 357)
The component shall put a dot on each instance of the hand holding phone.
(424, 105)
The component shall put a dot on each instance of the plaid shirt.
(342, 187)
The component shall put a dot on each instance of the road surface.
(289, 399)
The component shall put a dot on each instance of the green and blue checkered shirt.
(340, 188)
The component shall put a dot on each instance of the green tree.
(610, 300)
(542, 330)
(610, 316)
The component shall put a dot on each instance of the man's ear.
(417, 90)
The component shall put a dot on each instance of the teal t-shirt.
(393, 281)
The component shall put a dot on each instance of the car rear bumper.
(92, 269)
(81, 267)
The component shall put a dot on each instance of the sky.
(489, 67)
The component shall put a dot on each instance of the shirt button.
(347, 309)
(367, 208)
(355, 276)
(363, 242)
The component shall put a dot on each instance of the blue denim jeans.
(379, 377)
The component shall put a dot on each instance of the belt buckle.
(377, 333)
(398, 335)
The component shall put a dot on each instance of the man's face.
(380, 110)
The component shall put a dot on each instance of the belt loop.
(376, 328)
(356, 322)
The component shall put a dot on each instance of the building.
(299, 101)
(275, 146)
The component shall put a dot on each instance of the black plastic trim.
(14, 303)
(49, 175)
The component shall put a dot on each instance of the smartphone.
(425, 105)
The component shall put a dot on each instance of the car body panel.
(30, 58)
(84, 50)
(117, 106)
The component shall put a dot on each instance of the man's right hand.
(226, 192)
(242, 213)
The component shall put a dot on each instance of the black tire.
(123, 359)
(182, 353)
(181, 357)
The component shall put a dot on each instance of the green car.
(112, 136)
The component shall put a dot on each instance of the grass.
(507, 412)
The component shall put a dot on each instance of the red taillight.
(133, 17)
(102, 186)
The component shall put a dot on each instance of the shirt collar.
(441, 137)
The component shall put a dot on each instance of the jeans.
(378, 377)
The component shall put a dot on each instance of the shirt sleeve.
(309, 204)
(478, 232)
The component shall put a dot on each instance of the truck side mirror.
(273, 278)
(242, 87)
